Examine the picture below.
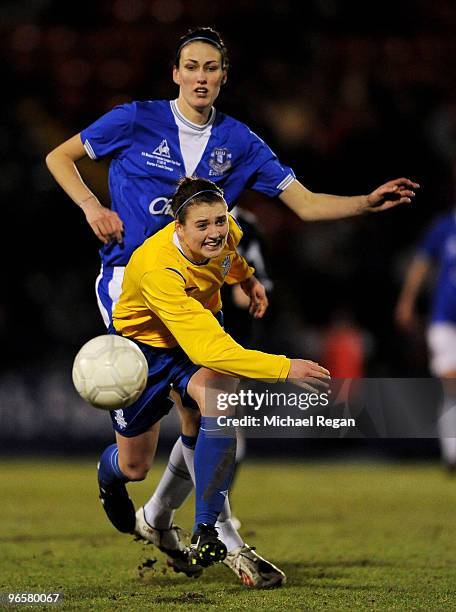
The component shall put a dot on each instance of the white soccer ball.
(110, 372)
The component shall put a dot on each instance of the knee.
(190, 421)
(190, 418)
(135, 471)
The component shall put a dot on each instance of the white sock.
(189, 457)
(171, 492)
(240, 445)
(227, 533)
(446, 426)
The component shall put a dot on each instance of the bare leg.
(129, 459)
(136, 454)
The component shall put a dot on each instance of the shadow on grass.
(363, 562)
(330, 573)
(312, 575)
(190, 597)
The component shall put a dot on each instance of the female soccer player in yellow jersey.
(169, 303)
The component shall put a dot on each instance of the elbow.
(309, 208)
(306, 209)
(50, 159)
(55, 160)
(57, 157)
(306, 215)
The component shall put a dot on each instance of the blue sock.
(215, 455)
(109, 472)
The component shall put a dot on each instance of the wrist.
(251, 280)
(364, 205)
(90, 201)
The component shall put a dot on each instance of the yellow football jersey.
(168, 300)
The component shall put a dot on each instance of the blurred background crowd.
(349, 95)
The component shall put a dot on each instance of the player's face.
(203, 235)
(199, 75)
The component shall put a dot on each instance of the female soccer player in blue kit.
(437, 250)
(152, 145)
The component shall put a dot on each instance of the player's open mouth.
(215, 244)
(203, 91)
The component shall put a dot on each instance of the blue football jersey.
(152, 145)
(439, 244)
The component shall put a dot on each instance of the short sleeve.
(267, 174)
(434, 240)
(110, 133)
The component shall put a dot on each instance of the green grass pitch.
(349, 536)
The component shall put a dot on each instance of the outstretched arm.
(61, 162)
(205, 342)
(311, 206)
(416, 275)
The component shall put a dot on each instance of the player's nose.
(213, 233)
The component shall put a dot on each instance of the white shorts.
(441, 338)
(108, 288)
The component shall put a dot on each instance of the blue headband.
(206, 39)
(192, 197)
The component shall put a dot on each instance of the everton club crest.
(219, 161)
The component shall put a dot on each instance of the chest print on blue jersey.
(162, 150)
(226, 265)
(219, 161)
(161, 157)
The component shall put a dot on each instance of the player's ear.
(179, 228)
(176, 75)
(224, 78)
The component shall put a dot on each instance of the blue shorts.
(167, 368)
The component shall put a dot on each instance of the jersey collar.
(194, 126)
